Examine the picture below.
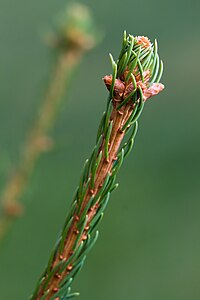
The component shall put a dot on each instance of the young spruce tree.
(135, 78)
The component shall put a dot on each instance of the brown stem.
(105, 167)
(37, 141)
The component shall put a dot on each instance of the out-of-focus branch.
(74, 38)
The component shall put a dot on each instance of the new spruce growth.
(135, 78)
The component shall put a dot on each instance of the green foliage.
(133, 61)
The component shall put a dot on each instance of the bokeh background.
(149, 244)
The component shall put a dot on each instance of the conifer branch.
(74, 38)
(135, 78)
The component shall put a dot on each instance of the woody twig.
(135, 78)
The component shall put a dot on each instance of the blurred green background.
(149, 244)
